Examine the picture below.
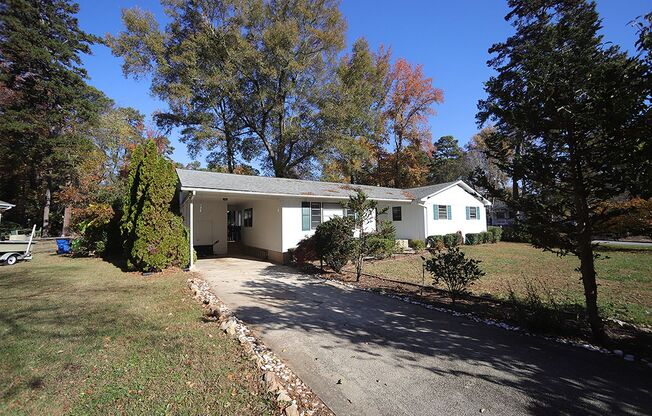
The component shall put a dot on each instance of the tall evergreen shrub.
(152, 230)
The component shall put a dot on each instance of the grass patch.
(624, 276)
(80, 336)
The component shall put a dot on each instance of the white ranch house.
(231, 214)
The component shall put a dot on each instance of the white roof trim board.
(201, 181)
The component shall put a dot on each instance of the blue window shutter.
(468, 213)
(305, 216)
(448, 212)
(435, 212)
(478, 212)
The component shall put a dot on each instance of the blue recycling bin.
(63, 246)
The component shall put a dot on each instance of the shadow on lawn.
(50, 313)
(557, 379)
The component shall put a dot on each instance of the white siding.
(411, 225)
(458, 199)
(210, 224)
(291, 217)
(265, 231)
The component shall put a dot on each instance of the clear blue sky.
(450, 38)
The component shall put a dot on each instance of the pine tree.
(43, 99)
(576, 108)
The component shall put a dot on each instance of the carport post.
(190, 216)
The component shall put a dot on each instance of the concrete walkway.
(394, 358)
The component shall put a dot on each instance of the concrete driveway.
(394, 358)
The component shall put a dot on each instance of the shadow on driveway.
(399, 358)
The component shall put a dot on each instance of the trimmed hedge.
(448, 240)
(492, 235)
(472, 239)
(496, 233)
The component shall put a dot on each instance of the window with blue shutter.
(441, 212)
(305, 216)
(472, 213)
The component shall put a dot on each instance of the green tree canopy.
(44, 99)
(356, 114)
(243, 79)
(575, 105)
(448, 161)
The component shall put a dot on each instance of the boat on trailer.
(13, 251)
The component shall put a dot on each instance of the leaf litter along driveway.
(368, 354)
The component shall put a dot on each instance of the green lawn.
(79, 336)
(625, 277)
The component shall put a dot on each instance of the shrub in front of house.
(485, 237)
(305, 251)
(454, 270)
(434, 241)
(453, 239)
(496, 233)
(417, 245)
(472, 238)
(446, 240)
(382, 243)
(334, 242)
(152, 230)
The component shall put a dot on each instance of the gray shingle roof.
(282, 186)
(425, 191)
(196, 179)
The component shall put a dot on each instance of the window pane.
(396, 214)
(305, 216)
(315, 214)
(248, 217)
(443, 212)
(473, 213)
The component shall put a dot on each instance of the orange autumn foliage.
(410, 103)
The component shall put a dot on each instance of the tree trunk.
(65, 231)
(587, 267)
(230, 151)
(358, 267)
(46, 213)
(585, 248)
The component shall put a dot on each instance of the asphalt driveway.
(394, 358)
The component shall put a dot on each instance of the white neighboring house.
(266, 216)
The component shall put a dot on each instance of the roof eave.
(229, 191)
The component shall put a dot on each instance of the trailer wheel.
(11, 260)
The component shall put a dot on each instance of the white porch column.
(191, 220)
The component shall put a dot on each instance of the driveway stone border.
(292, 394)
